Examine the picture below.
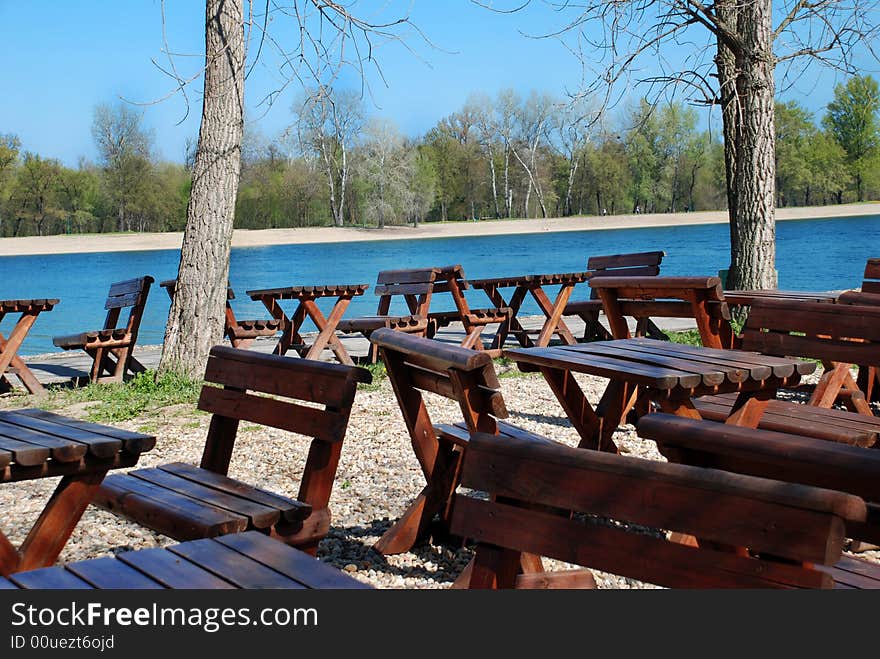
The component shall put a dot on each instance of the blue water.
(821, 254)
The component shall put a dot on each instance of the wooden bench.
(868, 294)
(111, 348)
(241, 333)
(187, 502)
(623, 507)
(700, 298)
(244, 560)
(415, 286)
(417, 365)
(786, 457)
(642, 264)
(452, 280)
(835, 334)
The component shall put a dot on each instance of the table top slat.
(133, 442)
(533, 280)
(782, 367)
(295, 292)
(24, 306)
(61, 449)
(653, 376)
(100, 446)
(734, 371)
(24, 453)
(710, 374)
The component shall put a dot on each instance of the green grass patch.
(140, 395)
(378, 372)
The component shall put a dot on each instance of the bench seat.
(459, 434)
(807, 420)
(247, 560)
(408, 323)
(83, 339)
(251, 329)
(186, 503)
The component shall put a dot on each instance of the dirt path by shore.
(64, 244)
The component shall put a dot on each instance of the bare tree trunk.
(572, 171)
(343, 180)
(195, 322)
(753, 263)
(725, 63)
(494, 183)
(508, 193)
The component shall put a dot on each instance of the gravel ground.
(377, 477)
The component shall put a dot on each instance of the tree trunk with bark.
(195, 322)
(753, 254)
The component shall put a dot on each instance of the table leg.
(9, 352)
(837, 376)
(514, 327)
(327, 329)
(554, 323)
(8, 556)
(578, 409)
(749, 408)
(48, 536)
(619, 398)
(505, 328)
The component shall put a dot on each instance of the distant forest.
(508, 156)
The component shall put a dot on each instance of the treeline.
(499, 157)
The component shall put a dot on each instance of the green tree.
(854, 122)
(35, 194)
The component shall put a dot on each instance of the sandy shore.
(33, 245)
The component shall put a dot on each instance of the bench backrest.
(639, 264)
(768, 454)
(535, 488)
(871, 284)
(417, 365)
(700, 298)
(414, 285)
(270, 390)
(830, 332)
(132, 294)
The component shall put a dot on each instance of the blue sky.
(60, 59)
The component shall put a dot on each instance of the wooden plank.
(16, 472)
(710, 373)
(782, 367)
(872, 269)
(133, 442)
(260, 516)
(429, 354)
(326, 425)
(232, 566)
(123, 301)
(291, 510)
(49, 578)
(606, 261)
(61, 450)
(404, 289)
(617, 551)
(816, 318)
(129, 286)
(770, 454)
(67, 442)
(306, 569)
(779, 343)
(310, 380)
(780, 518)
(172, 570)
(771, 420)
(23, 453)
(407, 276)
(164, 511)
(111, 574)
(616, 368)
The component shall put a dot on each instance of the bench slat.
(260, 516)
(108, 573)
(232, 566)
(133, 442)
(290, 509)
(49, 578)
(173, 515)
(299, 566)
(23, 453)
(172, 570)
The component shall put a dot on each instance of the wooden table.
(10, 362)
(307, 296)
(38, 444)
(743, 298)
(533, 285)
(645, 371)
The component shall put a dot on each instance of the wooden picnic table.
(38, 444)
(744, 298)
(532, 285)
(306, 297)
(643, 371)
(10, 362)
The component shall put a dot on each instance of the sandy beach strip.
(128, 242)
